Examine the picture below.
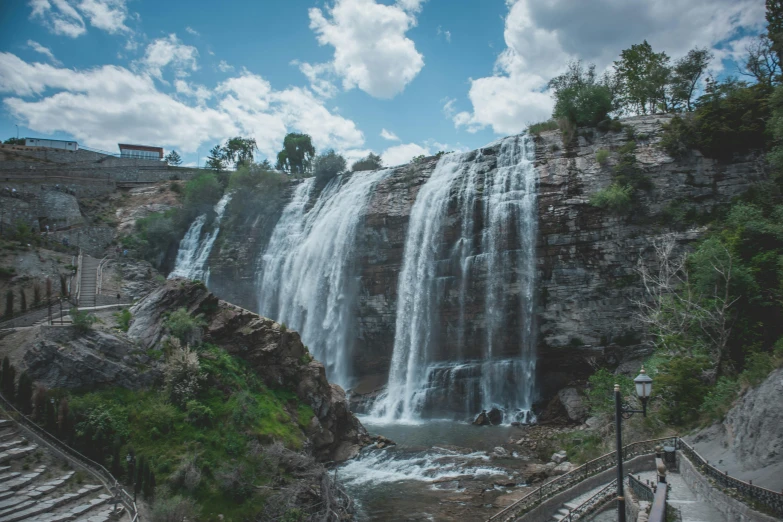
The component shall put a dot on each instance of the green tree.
(24, 394)
(774, 17)
(370, 162)
(216, 159)
(239, 150)
(579, 97)
(686, 74)
(265, 165)
(297, 155)
(36, 293)
(762, 63)
(172, 158)
(328, 165)
(643, 76)
(14, 141)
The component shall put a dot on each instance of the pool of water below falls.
(438, 470)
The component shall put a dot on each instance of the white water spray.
(194, 250)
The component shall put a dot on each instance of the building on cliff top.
(51, 144)
(140, 151)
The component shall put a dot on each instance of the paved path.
(88, 284)
(36, 487)
(683, 498)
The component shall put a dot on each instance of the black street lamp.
(131, 459)
(622, 411)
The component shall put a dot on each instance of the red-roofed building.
(141, 151)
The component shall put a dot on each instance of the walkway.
(37, 486)
(88, 284)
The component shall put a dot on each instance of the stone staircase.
(37, 486)
(572, 504)
(88, 283)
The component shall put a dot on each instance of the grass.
(243, 410)
(543, 126)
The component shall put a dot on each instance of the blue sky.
(399, 78)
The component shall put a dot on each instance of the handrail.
(98, 471)
(772, 500)
(79, 276)
(565, 481)
(591, 504)
(768, 498)
(640, 489)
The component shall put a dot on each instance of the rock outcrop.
(586, 256)
(63, 358)
(275, 354)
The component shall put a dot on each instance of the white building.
(51, 144)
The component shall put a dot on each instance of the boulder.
(563, 467)
(500, 451)
(481, 419)
(560, 456)
(574, 404)
(593, 423)
(495, 416)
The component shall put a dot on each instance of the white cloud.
(108, 15)
(224, 66)
(106, 105)
(446, 34)
(169, 51)
(318, 76)
(35, 46)
(371, 51)
(389, 135)
(401, 154)
(448, 106)
(192, 31)
(541, 37)
(66, 17)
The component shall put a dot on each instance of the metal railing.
(640, 489)
(575, 476)
(590, 505)
(97, 470)
(746, 491)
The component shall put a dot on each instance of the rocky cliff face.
(585, 255)
(277, 356)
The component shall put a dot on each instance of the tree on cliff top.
(173, 159)
(370, 162)
(297, 155)
(328, 165)
(216, 159)
(580, 97)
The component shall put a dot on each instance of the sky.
(395, 77)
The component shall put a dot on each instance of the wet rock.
(537, 472)
(574, 404)
(500, 451)
(495, 416)
(481, 419)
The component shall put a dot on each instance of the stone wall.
(734, 509)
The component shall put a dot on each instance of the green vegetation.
(537, 128)
(211, 454)
(602, 156)
(123, 319)
(580, 97)
(82, 321)
(328, 165)
(370, 162)
(173, 159)
(7, 272)
(297, 155)
(184, 327)
(616, 198)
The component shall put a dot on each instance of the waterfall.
(427, 376)
(194, 250)
(306, 278)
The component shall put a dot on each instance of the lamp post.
(131, 459)
(622, 411)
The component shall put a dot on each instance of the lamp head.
(643, 384)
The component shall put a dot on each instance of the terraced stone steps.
(32, 508)
(16, 453)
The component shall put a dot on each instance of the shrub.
(9, 303)
(757, 367)
(682, 386)
(184, 327)
(418, 159)
(183, 375)
(7, 272)
(199, 414)
(615, 198)
(600, 392)
(173, 508)
(82, 321)
(370, 162)
(328, 165)
(537, 128)
(567, 130)
(579, 97)
(678, 137)
(123, 319)
(602, 156)
(720, 399)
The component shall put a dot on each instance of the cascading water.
(194, 250)
(306, 276)
(426, 376)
